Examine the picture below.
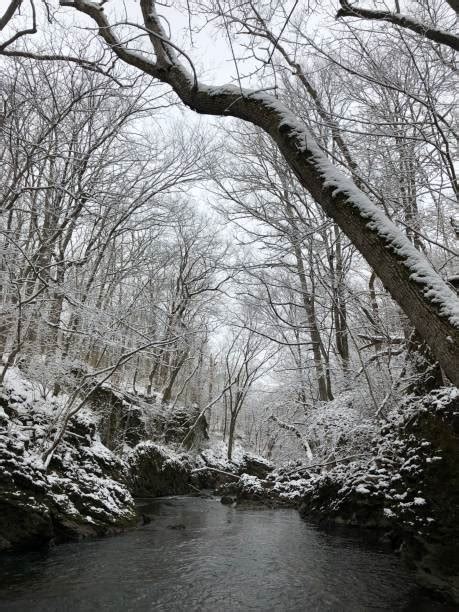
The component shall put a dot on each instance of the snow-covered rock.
(156, 470)
(81, 492)
(408, 487)
(242, 461)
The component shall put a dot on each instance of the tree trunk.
(232, 429)
(324, 385)
(339, 303)
(167, 393)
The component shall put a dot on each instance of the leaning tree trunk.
(431, 305)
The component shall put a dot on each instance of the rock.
(81, 493)
(250, 490)
(155, 471)
(175, 423)
(408, 491)
(121, 421)
(24, 523)
(210, 478)
(254, 465)
(434, 548)
(221, 471)
(37, 508)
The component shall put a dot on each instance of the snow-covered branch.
(404, 21)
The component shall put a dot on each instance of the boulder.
(227, 500)
(254, 465)
(215, 469)
(250, 490)
(155, 471)
(25, 516)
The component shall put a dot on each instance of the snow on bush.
(339, 428)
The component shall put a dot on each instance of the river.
(198, 555)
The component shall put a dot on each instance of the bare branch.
(439, 36)
(8, 14)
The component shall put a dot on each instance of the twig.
(334, 462)
(204, 469)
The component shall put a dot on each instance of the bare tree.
(422, 294)
(246, 359)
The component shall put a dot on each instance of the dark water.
(225, 559)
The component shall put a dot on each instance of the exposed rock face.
(409, 489)
(121, 421)
(434, 547)
(177, 425)
(156, 471)
(25, 517)
(82, 493)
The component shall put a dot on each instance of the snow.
(100, 449)
(18, 387)
(77, 477)
(252, 484)
(340, 427)
(292, 489)
(217, 456)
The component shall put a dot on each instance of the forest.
(229, 272)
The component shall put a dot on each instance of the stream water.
(198, 555)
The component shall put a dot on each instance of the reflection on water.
(197, 555)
